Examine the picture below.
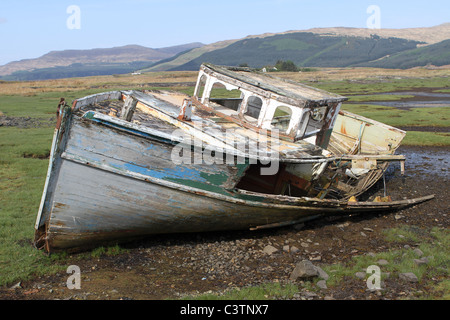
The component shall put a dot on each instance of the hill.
(304, 49)
(324, 46)
(89, 62)
(437, 54)
(318, 47)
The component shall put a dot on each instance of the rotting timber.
(127, 164)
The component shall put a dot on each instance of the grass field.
(24, 150)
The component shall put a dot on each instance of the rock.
(304, 269)
(360, 275)
(343, 225)
(294, 249)
(286, 248)
(418, 252)
(421, 261)
(270, 250)
(382, 262)
(408, 276)
(322, 284)
(304, 244)
(17, 286)
(322, 274)
(309, 295)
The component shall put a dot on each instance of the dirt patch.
(26, 122)
(172, 266)
(425, 129)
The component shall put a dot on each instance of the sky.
(30, 28)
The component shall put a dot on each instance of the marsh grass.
(416, 117)
(434, 243)
(267, 291)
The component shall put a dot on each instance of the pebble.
(304, 245)
(294, 249)
(304, 269)
(382, 262)
(408, 276)
(322, 273)
(418, 252)
(322, 284)
(421, 261)
(270, 250)
(17, 286)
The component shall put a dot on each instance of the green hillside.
(305, 50)
(437, 54)
(77, 70)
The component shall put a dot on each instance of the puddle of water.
(419, 94)
(411, 104)
(434, 161)
(425, 100)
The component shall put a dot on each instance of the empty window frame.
(253, 108)
(282, 118)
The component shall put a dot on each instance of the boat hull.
(111, 182)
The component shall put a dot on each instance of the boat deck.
(159, 110)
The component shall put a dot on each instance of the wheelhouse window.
(200, 88)
(253, 109)
(230, 99)
(311, 122)
(281, 118)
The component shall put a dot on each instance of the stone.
(304, 244)
(418, 252)
(286, 248)
(408, 276)
(360, 275)
(421, 261)
(382, 262)
(304, 269)
(322, 273)
(17, 286)
(322, 284)
(270, 250)
(294, 249)
(309, 295)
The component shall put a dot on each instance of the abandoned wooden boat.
(247, 151)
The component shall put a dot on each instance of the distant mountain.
(304, 49)
(89, 62)
(319, 47)
(436, 54)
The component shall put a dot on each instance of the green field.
(24, 151)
